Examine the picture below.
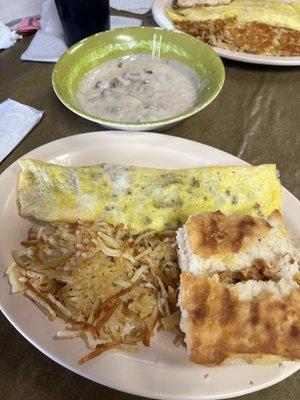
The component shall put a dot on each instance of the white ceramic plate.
(160, 16)
(163, 370)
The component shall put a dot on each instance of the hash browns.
(252, 37)
(112, 286)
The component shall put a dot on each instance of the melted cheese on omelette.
(273, 13)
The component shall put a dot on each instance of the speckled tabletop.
(256, 117)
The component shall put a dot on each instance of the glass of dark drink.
(82, 18)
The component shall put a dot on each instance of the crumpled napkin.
(7, 37)
(134, 6)
(16, 121)
(48, 44)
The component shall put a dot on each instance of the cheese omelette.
(144, 198)
(274, 13)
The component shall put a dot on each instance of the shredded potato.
(112, 286)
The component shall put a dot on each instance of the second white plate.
(160, 16)
(161, 371)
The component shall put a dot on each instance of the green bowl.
(169, 44)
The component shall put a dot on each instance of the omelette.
(268, 27)
(144, 198)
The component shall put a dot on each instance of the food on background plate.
(144, 198)
(239, 289)
(140, 88)
(251, 26)
(196, 3)
(112, 286)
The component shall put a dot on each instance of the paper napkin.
(134, 6)
(16, 121)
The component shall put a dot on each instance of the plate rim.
(158, 13)
(67, 365)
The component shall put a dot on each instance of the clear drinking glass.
(82, 18)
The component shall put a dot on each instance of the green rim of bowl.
(101, 47)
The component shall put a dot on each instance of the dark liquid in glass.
(82, 18)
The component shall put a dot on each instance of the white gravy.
(138, 89)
